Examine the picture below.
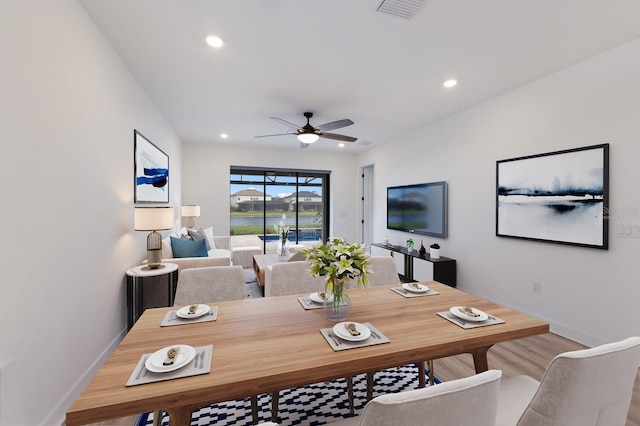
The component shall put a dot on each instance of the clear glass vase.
(337, 303)
(283, 250)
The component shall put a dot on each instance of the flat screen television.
(419, 208)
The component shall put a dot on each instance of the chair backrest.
(211, 284)
(586, 387)
(470, 401)
(291, 278)
(297, 257)
(384, 271)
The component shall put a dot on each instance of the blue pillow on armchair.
(186, 248)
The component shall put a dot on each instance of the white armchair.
(586, 387)
(470, 401)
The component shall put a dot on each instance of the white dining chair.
(470, 401)
(286, 278)
(585, 387)
(385, 272)
(210, 284)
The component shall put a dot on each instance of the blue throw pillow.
(185, 248)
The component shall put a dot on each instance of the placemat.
(172, 319)
(469, 324)
(405, 293)
(201, 364)
(338, 344)
(307, 303)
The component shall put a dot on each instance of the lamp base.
(154, 258)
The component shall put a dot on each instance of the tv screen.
(420, 208)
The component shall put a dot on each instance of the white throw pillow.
(208, 232)
(167, 251)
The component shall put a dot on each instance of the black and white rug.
(316, 404)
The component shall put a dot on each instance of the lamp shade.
(153, 218)
(191, 211)
(308, 137)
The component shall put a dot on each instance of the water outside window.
(261, 199)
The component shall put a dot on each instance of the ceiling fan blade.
(277, 134)
(337, 137)
(335, 125)
(286, 123)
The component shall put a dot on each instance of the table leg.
(179, 416)
(480, 358)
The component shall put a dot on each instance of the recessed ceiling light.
(214, 41)
(224, 135)
(341, 145)
(450, 83)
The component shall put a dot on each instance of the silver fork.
(142, 368)
(202, 359)
(335, 339)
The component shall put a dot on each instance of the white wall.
(589, 295)
(206, 181)
(68, 108)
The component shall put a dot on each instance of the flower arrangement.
(338, 261)
(282, 229)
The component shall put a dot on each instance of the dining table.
(264, 345)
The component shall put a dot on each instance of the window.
(261, 197)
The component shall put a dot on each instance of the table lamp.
(191, 212)
(153, 219)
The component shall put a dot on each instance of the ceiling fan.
(308, 134)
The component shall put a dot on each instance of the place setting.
(190, 314)
(171, 362)
(469, 317)
(414, 289)
(351, 334)
(313, 301)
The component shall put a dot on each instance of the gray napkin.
(470, 324)
(201, 364)
(309, 304)
(401, 291)
(338, 344)
(172, 319)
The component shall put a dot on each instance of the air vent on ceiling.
(363, 143)
(406, 9)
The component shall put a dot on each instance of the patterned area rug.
(316, 404)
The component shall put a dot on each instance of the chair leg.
(432, 373)
(370, 386)
(421, 375)
(350, 394)
(254, 409)
(275, 399)
(157, 418)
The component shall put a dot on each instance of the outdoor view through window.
(261, 199)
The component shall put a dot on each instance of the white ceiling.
(343, 59)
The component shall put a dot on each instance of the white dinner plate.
(315, 297)
(340, 331)
(155, 360)
(457, 312)
(184, 311)
(419, 288)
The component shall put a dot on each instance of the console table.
(136, 300)
(444, 268)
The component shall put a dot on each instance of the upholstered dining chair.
(585, 387)
(210, 284)
(285, 278)
(470, 401)
(385, 272)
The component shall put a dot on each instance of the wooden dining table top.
(264, 345)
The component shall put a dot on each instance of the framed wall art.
(151, 171)
(559, 197)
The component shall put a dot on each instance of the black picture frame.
(558, 197)
(150, 171)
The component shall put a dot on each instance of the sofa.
(216, 253)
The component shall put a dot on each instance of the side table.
(136, 303)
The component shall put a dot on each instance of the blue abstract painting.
(151, 165)
(557, 197)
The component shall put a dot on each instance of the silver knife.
(144, 360)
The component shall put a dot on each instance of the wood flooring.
(529, 356)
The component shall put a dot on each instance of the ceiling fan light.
(308, 138)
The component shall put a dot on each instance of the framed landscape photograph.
(558, 197)
(151, 171)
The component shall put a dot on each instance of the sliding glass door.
(262, 198)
